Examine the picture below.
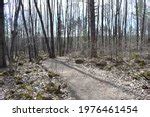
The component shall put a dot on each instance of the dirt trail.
(1, 90)
(84, 85)
(1, 94)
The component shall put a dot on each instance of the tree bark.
(102, 24)
(26, 30)
(143, 24)
(149, 31)
(32, 31)
(2, 36)
(43, 29)
(52, 31)
(14, 31)
(93, 37)
(137, 25)
(125, 27)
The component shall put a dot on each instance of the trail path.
(84, 85)
(1, 90)
(1, 94)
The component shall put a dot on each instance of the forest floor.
(66, 78)
(30, 81)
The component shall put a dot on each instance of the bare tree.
(2, 36)
(14, 31)
(149, 31)
(59, 28)
(52, 31)
(43, 29)
(143, 23)
(26, 30)
(93, 37)
(137, 25)
(102, 25)
(125, 27)
(32, 31)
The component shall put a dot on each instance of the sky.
(64, 5)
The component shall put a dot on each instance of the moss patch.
(6, 73)
(135, 56)
(40, 96)
(52, 88)
(140, 62)
(136, 76)
(52, 74)
(25, 96)
(145, 74)
(18, 80)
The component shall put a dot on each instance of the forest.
(74, 49)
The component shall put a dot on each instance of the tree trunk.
(149, 31)
(125, 27)
(14, 31)
(102, 33)
(32, 31)
(93, 37)
(143, 25)
(59, 39)
(137, 25)
(26, 30)
(43, 29)
(2, 36)
(52, 31)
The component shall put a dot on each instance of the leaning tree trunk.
(2, 36)
(43, 29)
(26, 30)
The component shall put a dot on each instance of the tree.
(43, 29)
(26, 30)
(143, 22)
(2, 36)
(52, 30)
(137, 24)
(14, 31)
(102, 21)
(59, 29)
(32, 31)
(125, 27)
(92, 22)
(149, 31)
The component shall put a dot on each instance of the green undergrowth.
(143, 74)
